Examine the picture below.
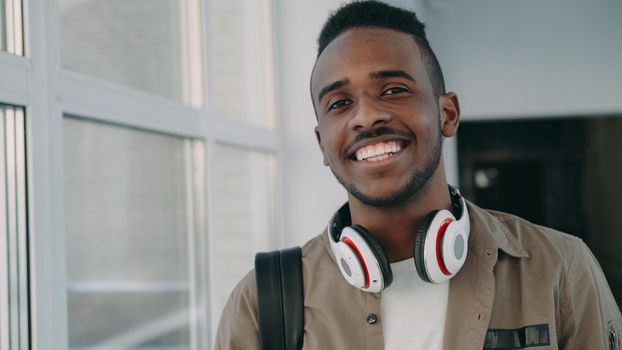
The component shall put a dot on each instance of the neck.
(396, 227)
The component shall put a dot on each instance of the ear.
(450, 114)
(318, 137)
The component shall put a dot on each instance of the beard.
(417, 181)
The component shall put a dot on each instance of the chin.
(387, 195)
(382, 200)
(381, 195)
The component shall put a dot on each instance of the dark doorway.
(513, 186)
(562, 173)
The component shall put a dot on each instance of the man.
(382, 113)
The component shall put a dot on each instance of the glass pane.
(244, 197)
(132, 215)
(152, 45)
(14, 306)
(240, 75)
(11, 27)
(3, 30)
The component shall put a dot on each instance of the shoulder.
(316, 249)
(544, 258)
(550, 251)
(319, 270)
(238, 327)
(538, 241)
(562, 264)
(238, 323)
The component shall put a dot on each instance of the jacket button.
(372, 318)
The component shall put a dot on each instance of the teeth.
(377, 152)
(380, 149)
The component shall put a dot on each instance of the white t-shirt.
(413, 311)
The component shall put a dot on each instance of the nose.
(367, 115)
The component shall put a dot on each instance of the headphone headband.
(460, 209)
(342, 217)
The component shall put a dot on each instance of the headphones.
(439, 253)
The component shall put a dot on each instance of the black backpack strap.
(280, 299)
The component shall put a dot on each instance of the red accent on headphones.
(439, 241)
(351, 244)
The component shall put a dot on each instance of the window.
(11, 27)
(141, 128)
(14, 305)
(151, 45)
(134, 232)
(240, 64)
(245, 182)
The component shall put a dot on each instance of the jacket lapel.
(472, 290)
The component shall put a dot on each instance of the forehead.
(364, 50)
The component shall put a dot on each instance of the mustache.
(381, 131)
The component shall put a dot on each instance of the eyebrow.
(382, 74)
(332, 86)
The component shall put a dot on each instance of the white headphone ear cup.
(372, 273)
(349, 264)
(454, 249)
(433, 247)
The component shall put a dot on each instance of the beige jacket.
(516, 275)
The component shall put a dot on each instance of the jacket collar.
(489, 234)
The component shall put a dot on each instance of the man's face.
(379, 126)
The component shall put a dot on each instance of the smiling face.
(380, 126)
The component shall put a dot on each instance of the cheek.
(433, 140)
(331, 145)
(331, 154)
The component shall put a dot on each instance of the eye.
(340, 104)
(394, 91)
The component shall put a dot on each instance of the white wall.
(531, 57)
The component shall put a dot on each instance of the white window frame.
(14, 313)
(37, 82)
(12, 12)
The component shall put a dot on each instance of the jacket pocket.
(519, 338)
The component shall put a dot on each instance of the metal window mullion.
(17, 28)
(190, 243)
(191, 53)
(9, 26)
(212, 241)
(194, 151)
(4, 249)
(199, 198)
(11, 196)
(2, 44)
(21, 238)
(208, 85)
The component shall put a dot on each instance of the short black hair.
(371, 13)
